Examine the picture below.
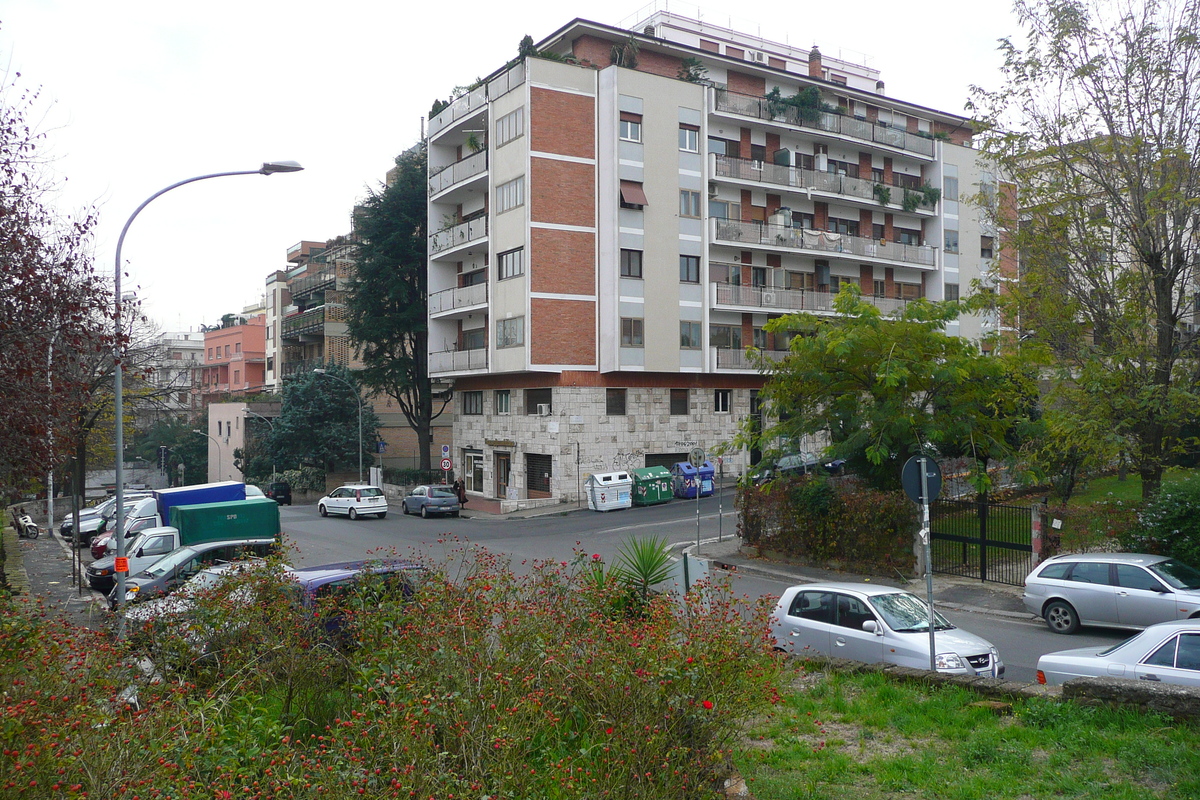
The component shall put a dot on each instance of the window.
(472, 403)
(631, 263)
(227, 351)
(237, 347)
(689, 336)
(721, 400)
(951, 241)
(802, 220)
(631, 332)
(475, 277)
(758, 277)
(845, 226)
(633, 195)
(726, 337)
(512, 263)
(535, 398)
(679, 402)
(879, 288)
(1131, 576)
(815, 606)
(950, 188)
(908, 291)
(908, 236)
(614, 402)
(689, 203)
(473, 339)
(510, 332)
(760, 338)
(1090, 572)
(237, 376)
(502, 401)
(986, 247)
(724, 147)
(510, 126)
(689, 269)
(510, 195)
(631, 127)
(689, 138)
(951, 291)
(801, 280)
(723, 209)
(878, 232)
(852, 612)
(210, 355)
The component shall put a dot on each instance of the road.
(559, 537)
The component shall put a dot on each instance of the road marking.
(689, 520)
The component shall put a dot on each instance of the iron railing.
(765, 297)
(459, 171)
(458, 360)
(738, 232)
(455, 235)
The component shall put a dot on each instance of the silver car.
(1168, 652)
(1112, 590)
(865, 622)
(429, 500)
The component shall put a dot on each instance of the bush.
(412, 477)
(305, 479)
(1170, 524)
(807, 517)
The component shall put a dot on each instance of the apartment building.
(234, 361)
(180, 353)
(607, 240)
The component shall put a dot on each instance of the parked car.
(1111, 590)
(330, 583)
(98, 519)
(172, 570)
(870, 623)
(1168, 652)
(254, 491)
(280, 492)
(153, 544)
(428, 500)
(354, 502)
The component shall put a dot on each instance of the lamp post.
(268, 168)
(354, 389)
(218, 444)
(270, 422)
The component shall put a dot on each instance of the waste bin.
(685, 479)
(651, 486)
(607, 491)
(707, 470)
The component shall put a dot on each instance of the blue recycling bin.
(707, 470)
(685, 478)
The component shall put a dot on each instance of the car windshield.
(905, 613)
(1120, 644)
(171, 562)
(1177, 574)
(441, 493)
(370, 491)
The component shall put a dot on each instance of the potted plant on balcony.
(883, 194)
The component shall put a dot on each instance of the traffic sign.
(445, 451)
(446, 464)
(910, 479)
(696, 457)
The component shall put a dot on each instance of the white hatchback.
(354, 502)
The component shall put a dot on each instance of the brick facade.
(561, 123)
(562, 331)
(562, 262)
(562, 192)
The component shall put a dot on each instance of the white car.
(1168, 652)
(354, 502)
(866, 622)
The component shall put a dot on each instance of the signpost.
(446, 465)
(696, 459)
(922, 482)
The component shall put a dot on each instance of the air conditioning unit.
(754, 55)
(543, 409)
(712, 189)
(768, 298)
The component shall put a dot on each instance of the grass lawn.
(868, 738)
(1127, 491)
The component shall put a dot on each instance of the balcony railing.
(737, 232)
(458, 360)
(311, 321)
(455, 235)
(797, 177)
(759, 107)
(726, 358)
(461, 297)
(301, 366)
(477, 98)
(772, 299)
(302, 287)
(457, 172)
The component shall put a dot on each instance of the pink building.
(234, 361)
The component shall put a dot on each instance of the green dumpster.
(651, 486)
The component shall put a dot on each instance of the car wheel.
(353, 513)
(321, 510)
(1061, 617)
(382, 515)
(404, 508)
(455, 513)
(424, 512)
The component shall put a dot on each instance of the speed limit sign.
(446, 464)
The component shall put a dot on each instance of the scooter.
(26, 527)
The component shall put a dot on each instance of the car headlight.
(103, 572)
(131, 590)
(948, 661)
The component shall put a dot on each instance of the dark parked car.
(172, 570)
(280, 492)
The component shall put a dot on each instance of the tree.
(387, 303)
(48, 317)
(184, 447)
(883, 389)
(1097, 119)
(318, 424)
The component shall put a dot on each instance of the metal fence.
(988, 541)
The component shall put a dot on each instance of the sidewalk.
(40, 569)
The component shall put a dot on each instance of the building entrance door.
(473, 470)
(503, 471)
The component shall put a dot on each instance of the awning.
(632, 194)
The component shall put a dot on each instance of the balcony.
(739, 360)
(305, 323)
(476, 99)
(458, 235)
(746, 105)
(805, 240)
(305, 287)
(470, 167)
(732, 297)
(463, 298)
(458, 361)
(744, 169)
(301, 366)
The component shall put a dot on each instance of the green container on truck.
(256, 518)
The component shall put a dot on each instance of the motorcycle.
(26, 527)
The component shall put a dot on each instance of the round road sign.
(446, 464)
(696, 457)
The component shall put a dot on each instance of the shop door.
(503, 471)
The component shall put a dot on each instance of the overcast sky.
(137, 95)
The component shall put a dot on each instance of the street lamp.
(218, 444)
(268, 168)
(354, 389)
(270, 422)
